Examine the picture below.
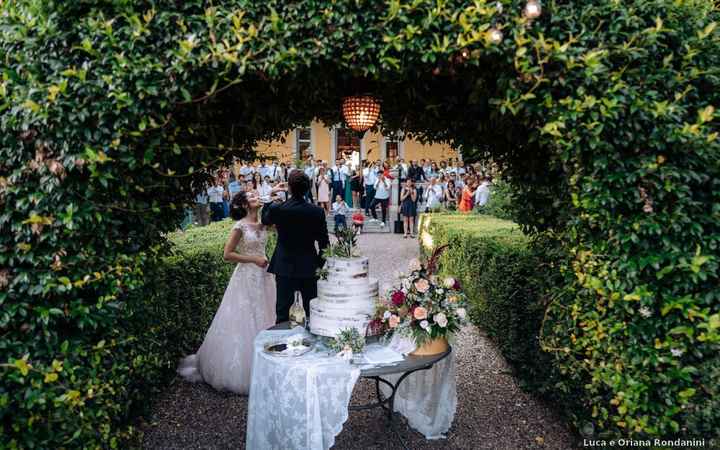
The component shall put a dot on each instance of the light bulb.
(495, 35)
(533, 9)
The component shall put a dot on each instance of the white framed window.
(303, 143)
(393, 148)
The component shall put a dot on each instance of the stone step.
(369, 226)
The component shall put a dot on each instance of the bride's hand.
(261, 262)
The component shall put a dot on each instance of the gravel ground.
(493, 412)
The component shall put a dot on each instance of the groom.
(299, 225)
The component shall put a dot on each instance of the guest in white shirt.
(382, 197)
(265, 189)
(340, 211)
(482, 193)
(215, 196)
(201, 208)
(369, 179)
(433, 195)
(310, 172)
(337, 177)
(246, 171)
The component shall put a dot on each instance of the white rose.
(461, 313)
(425, 325)
(441, 319)
(441, 291)
(386, 315)
(449, 282)
(414, 265)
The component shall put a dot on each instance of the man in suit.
(299, 226)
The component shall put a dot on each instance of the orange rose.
(420, 313)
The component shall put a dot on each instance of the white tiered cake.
(346, 299)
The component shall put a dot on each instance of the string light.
(495, 36)
(533, 9)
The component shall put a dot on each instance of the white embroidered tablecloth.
(302, 402)
(427, 398)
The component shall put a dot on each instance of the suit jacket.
(299, 225)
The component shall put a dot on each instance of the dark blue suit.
(299, 226)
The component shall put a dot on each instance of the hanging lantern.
(495, 36)
(533, 9)
(361, 111)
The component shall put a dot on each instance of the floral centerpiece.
(424, 308)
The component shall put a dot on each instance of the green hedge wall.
(511, 280)
(505, 281)
(94, 393)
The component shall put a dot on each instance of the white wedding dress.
(224, 359)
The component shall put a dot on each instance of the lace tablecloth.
(302, 402)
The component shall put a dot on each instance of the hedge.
(512, 281)
(126, 369)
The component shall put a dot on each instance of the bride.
(224, 359)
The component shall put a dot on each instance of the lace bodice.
(254, 238)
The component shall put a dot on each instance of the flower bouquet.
(347, 343)
(423, 308)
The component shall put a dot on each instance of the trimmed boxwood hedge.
(512, 281)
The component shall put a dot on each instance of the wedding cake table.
(302, 402)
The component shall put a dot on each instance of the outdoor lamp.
(533, 9)
(361, 111)
(495, 36)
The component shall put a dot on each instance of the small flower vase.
(432, 347)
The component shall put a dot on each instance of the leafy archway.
(599, 112)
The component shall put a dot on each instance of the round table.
(405, 368)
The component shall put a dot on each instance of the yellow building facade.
(327, 144)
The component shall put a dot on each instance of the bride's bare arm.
(230, 255)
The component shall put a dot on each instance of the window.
(303, 143)
(348, 143)
(392, 147)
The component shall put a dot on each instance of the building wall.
(373, 147)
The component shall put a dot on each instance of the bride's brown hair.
(238, 206)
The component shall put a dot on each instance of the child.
(358, 218)
(340, 210)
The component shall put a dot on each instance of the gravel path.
(493, 412)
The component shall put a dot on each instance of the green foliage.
(344, 247)
(600, 114)
(347, 337)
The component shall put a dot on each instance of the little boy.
(340, 210)
(358, 218)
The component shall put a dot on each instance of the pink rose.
(420, 313)
(422, 285)
(398, 297)
(394, 321)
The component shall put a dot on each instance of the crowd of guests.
(346, 192)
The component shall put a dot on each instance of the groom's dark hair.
(299, 183)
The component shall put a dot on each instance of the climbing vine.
(602, 115)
